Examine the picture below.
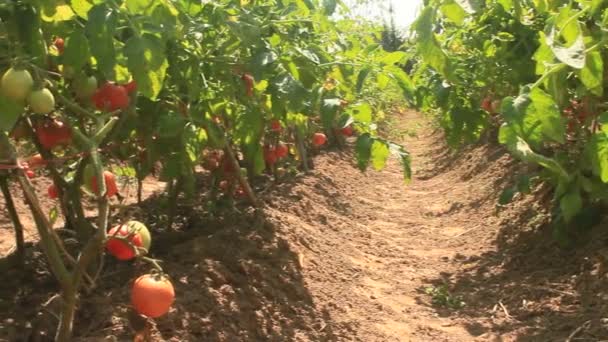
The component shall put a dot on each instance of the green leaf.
(100, 29)
(11, 111)
(592, 75)
(548, 113)
(427, 44)
(379, 154)
(82, 7)
(140, 7)
(361, 112)
(597, 149)
(571, 204)
(393, 58)
(454, 12)
(329, 6)
(363, 150)
(329, 110)
(148, 63)
(572, 54)
(361, 78)
(77, 52)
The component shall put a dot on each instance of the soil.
(341, 255)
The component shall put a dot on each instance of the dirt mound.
(342, 255)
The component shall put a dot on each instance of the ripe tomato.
(111, 187)
(111, 97)
(211, 160)
(121, 249)
(54, 133)
(281, 151)
(41, 101)
(270, 155)
(347, 131)
(131, 87)
(59, 44)
(17, 84)
(53, 192)
(30, 174)
(249, 82)
(36, 161)
(275, 126)
(486, 104)
(318, 139)
(85, 87)
(152, 295)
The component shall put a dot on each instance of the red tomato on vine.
(111, 187)
(111, 97)
(319, 139)
(54, 133)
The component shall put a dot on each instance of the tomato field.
(242, 170)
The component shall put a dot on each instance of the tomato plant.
(538, 70)
(170, 85)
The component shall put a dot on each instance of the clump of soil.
(342, 255)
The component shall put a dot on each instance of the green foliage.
(544, 62)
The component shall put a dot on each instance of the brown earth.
(340, 255)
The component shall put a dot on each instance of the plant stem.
(68, 309)
(12, 212)
(242, 180)
(302, 150)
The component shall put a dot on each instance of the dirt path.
(342, 255)
(375, 253)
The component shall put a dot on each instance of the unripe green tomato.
(17, 84)
(85, 87)
(42, 101)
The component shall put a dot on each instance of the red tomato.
(36, 161)
(59, 44)
(54, 133)
(347, 131)
(111, 97)
(111, 187)
(121, 249)
(53, 192)
(270, 155)
(30, 174)
(131, 87)
(486, 104)
(152, 295)
(319, 139)
(281, 151)
(275, 126)
(249, 82)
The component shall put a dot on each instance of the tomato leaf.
(147, 61)
(571, 204)
(77, 51)
(100, 29)
(11, 111)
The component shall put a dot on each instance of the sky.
(405, 10)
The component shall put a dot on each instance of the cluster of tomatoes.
(217, 162)
(18, 85)
(152, 295)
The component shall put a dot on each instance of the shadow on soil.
(529, 286)
(235, 280)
